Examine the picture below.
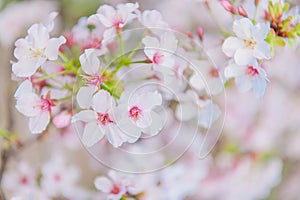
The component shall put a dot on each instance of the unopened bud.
(189, 34)
(242, 11)
(228, 6)
(200, 33)
(256, 2)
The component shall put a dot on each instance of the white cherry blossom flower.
(100, 120)
(192, 107)
(250, 42)
(248, 77)
(136, 114)
(34, 50)
(90, 65)
(58, 178)
(118, 18)
(152, 19)
(37, 108)
(117, 185)
(160, 52)
(206, 77)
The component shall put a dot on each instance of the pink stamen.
(135, 112)
(46, 104)
(251, 71)
(104, 119)
(214, 73)
(115, 190)
(24, 180)
(158, 57)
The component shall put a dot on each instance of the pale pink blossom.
(160, 52)
(248, 77)
(100, 120)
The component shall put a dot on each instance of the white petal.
(22, 48)
(24, 68)
(156, 125)
(215, 86)
(244, 56)
(52, 47)
(92, 134)
(208, 115)
(84, 96)
(85, 116)
(103, 102)
(103, 184)
(89, 61)
(132, 133)
(144, 120)
(262, 51)
(114, 135)
(197, 82)
(151, 46)
(234, 70)
(259, 86)
(260, 31)
(38, 35)
(105, 14)
(39, 123)
(243, 83)
(231, 44)
(168, 42)
(243, 28)
(148, 100)
(186, 111)
(24, 88)
(28, 104)
(50, 21)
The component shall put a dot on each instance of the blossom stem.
(63, 57)
(47, 76)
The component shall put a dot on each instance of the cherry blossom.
(248, 77)
(192, 107)
(37, 108)
(153, 19)
(118, 18)
(250, 42)
(100, 120)
(90, 65)
(117, 185)
(206, 77)
(136, 114)
(160, 52)
(58, 178)
(34, 50)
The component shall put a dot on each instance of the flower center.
(115, 189)
(24, 180)
(57, 177)
(118, 20)
(104, 119)
(251, 71)
(250, 43)
(158, 57)
(95, 79)
(46, 104)
(36, 53)
(135, 112)
(214, 73)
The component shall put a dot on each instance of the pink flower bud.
(242, 11)
(189, 34)
(256, 2)
(200, 33)
(228, 6)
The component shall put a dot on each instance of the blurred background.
(258, 153)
